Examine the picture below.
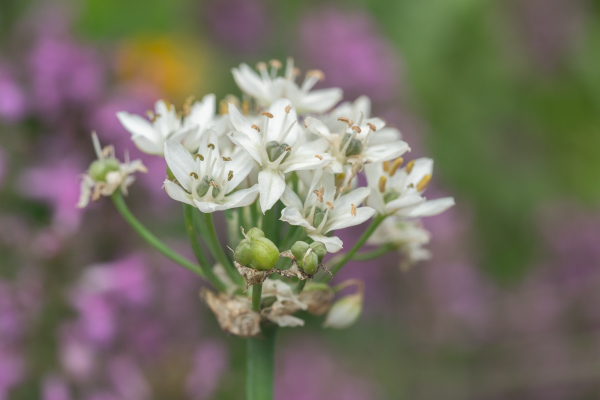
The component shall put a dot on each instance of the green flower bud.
(344, 312)
(391, 196)
(320, 249)
(299, 249)
(275, 150)
(264, 254)
(99, 169)
(310, 263)
(355, 148)
(318, 218)
(255, 233)
(243, 253)
(203, 187)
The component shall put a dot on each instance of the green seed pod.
(320, 249)
(243, 253)
(319, 216)
(310, 263)
(99, 169)
(215, 192)
(355, 148)
(391, 196)
(255, 233)
(299, 249)
(170, 175)
(202, 188)
(264, 254)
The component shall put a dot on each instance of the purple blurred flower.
(238, 25)
(12, 98)
(2, 165)
(55, 388)
(209, 364)
(12, 370)
(58, 185)
(10, 315)
(77, 356)
(64, 74)
(127, 379)
(349, 49)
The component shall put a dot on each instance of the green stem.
(256, 296)
(152, 240)
(268, 224)
(217, 251)
(260, 360)
(198, 252)
(360, 242)
(301, 284)
(375, 253)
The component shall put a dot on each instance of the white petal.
(320, 101)
(333, 243)
(292, 216)
(203, 112)
(375, 200)
(147, 146)
(422, 166)
(384, 152)
(241, 165)
(363, 103)
(298, 162)
(431, 208)
(244, 142)
(318, 128)
(356, 197)
(239, 122)
(406, 201)
(181, 163)
(241, 198)
(291, 199)
(138, 126)
(87, 183)
(250, 82)
(347, 219)
(272, 186)
(176, 192)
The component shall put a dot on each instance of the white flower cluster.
(286, 141)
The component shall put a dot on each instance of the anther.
(410, 166)
(344, 120)
(210, 146)
(296, 71)
(288, 108)
(261, 65)
(353, 209)
(315, 73)
(386, 166)
(187, 106)
(226, 158)
(423, 182)
(230, 176)
(255, 127)
(356, 128)
(382, 182)
(275, 64)
(200, 156)
(267, 114)
(213, 184)
(195, 175)
(330, 205)
(318, 156)
(371, 126)
(395, 165)
(319, 195)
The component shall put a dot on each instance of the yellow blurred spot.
(423, 183)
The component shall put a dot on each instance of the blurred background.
(503, 94)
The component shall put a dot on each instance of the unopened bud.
(255, 233)
(320, 249)
(243, 254)
(299, 249)
(100, 168)
(310, 263)
(344, 312)
(264, 254)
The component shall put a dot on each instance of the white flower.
(166, 124)
(106, 174)
(325, 209)
(286, 303)
(355, 139)
(278, 146)
(207, 179)
(409, 237)
(267, 88)
(398, 191)
(344, 312)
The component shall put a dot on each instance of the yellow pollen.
(423, 182)
(410, 166)
(296, 71)
(356, 128)
(386, 166)
(267, 114)
(315, 73)
(382, 182)
(223, 107)
(168, 105)
(200, 156)
(230, 176)
(195, 175)
(353, 209)
(395, 165)
(213, 184)
(371, 126)
(261, 65)
(330, 205)
(344, 120)
(210, 146)
(288, 148)
(318, 156)
(246, 107)
(187, 106)
(255, 127)
(342, 189)
(319, 195)
(275, 63)
(226, 158)
(288, 108)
